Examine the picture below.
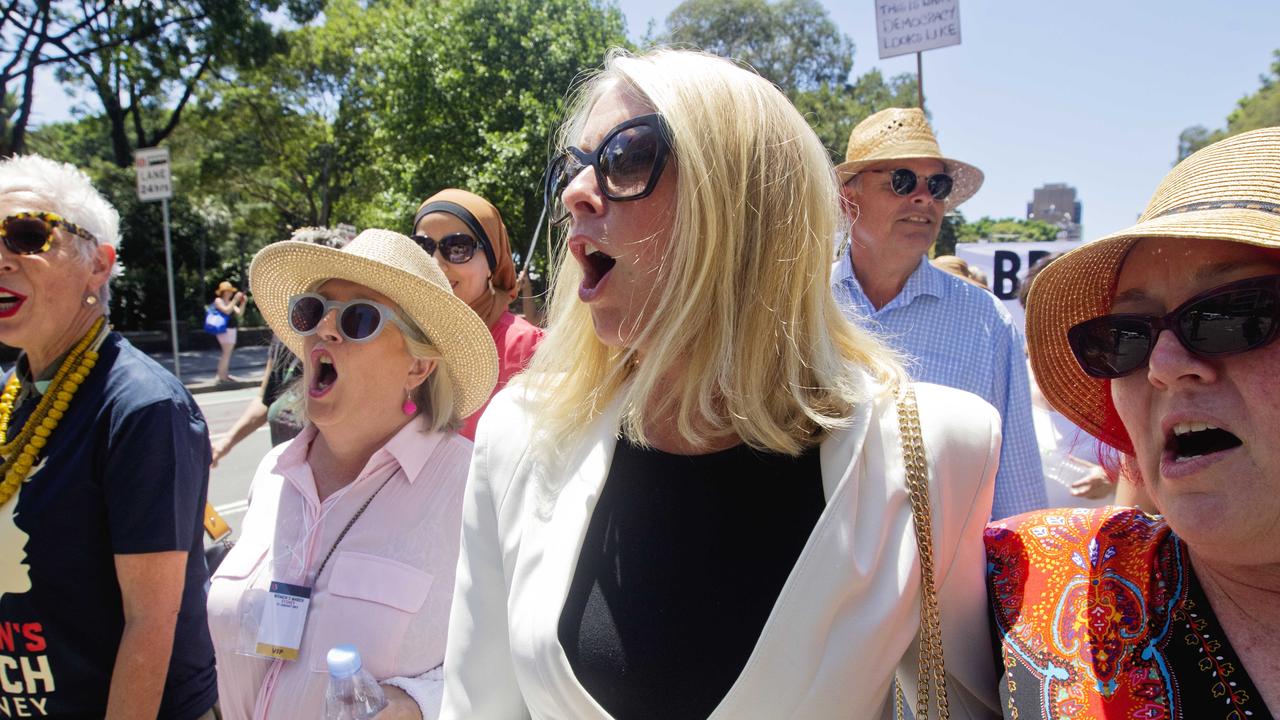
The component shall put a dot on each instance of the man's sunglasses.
(358, 320)
(456, 248)
(628, 163)
(31, 233)
(1232, 318)
(903, 182)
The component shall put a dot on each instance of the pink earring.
(409, 407)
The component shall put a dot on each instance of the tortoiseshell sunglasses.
(31, 233)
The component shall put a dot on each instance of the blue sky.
(1085, 92)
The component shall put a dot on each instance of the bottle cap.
(344, 661)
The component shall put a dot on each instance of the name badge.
(284, 616)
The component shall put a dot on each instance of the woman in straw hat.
(1158, 340)
(360, 512)
(466, 235)
(694, 503)
(230, 303)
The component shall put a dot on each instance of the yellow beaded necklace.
(44, 419)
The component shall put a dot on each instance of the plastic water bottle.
(352, 693)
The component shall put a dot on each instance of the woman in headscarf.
(466, 235)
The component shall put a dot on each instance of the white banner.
(908, 26)
(1005, 265)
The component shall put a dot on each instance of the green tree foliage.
(468, 94)
(145, 60)
(834, 110)
(796, 45)
(280, 146)
(949, 235)
(1004, 230)
(955, 229)
(1259, 110)
(793, 43)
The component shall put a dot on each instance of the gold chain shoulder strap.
(932, 669)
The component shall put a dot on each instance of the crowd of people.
(763, 460)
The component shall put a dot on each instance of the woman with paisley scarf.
(466, 234)
(1159, 341)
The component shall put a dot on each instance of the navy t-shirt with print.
(125, 472)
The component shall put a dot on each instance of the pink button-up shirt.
(386, 589)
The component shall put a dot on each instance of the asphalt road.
(229, 481)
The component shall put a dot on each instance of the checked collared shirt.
(956, 334)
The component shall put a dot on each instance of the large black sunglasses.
(903, 182)
(455, 248)
(628, 163)
(31, 233)
(1228, 319)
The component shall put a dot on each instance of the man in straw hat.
(896, 186)
(1160, 341)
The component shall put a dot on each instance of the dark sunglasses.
(628, 163)
(1229, 319)
(903, 182)
(358, 320)
(31, 233)
(456, 248)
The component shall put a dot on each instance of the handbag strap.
(932, 669)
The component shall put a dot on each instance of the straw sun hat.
(395, 266)
(904, 134)
(1229, 191)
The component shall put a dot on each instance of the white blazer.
(847, 617)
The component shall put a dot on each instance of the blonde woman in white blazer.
(694, 504)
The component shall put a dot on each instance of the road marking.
(232, 508)
(214, 437)
(243, 394)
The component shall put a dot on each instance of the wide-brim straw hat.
(225, 286)
(395, 266)
(904, 134)
(1229, 191)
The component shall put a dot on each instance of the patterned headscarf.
(485, 217)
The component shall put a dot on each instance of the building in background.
(1056, 204)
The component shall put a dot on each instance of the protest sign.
(911, 26)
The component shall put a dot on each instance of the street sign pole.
(920, 79)
(173, 305)
(156, 183)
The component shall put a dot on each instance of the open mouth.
(917, 220)
(322, 381)
(1192, 440)
(10, 301)
(594, 267)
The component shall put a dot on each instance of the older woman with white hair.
(359, 514)
(105, 469)
(699, 500)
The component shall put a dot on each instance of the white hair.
(63, 190)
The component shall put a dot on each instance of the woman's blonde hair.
(434, 396)
(742, 304)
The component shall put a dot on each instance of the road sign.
(154, 182)
(912, 26)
